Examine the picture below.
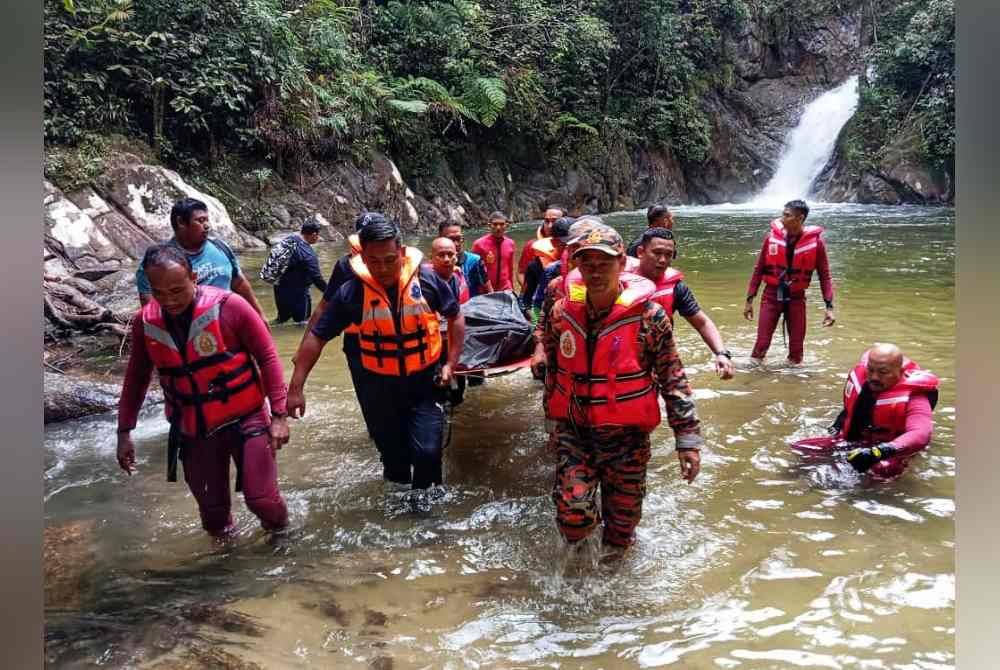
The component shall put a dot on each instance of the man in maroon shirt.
(497, 251)
(788, 257)
(216, 363)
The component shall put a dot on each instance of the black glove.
(862, 459)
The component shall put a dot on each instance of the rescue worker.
(443, 257)
(213, 261)
(656, 251)
(545, 229)
(394, 303)
(217, 364)
(609, 347)
(791, 252)
(888, 400)
(341, 273)
(497, 251)
(657, 216)
(291, 292)
(471, 264)
(536, 256)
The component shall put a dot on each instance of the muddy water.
(764, 562)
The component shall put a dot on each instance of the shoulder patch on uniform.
(415, 291)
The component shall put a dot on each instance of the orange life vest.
(205, 386)
(416, 344)
(545, 251)
(355, 243)
(889, 414)
(803, 260)
(599, 380)
(664, 293)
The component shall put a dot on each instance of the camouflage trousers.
(616, 462)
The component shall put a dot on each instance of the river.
(765, 561)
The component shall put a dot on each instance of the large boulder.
(144, 194)
(73, 236)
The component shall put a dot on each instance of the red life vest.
(600, 381)
(889, 414)
(206, 386)
(803, 260)
(664, 293)
(417, 345)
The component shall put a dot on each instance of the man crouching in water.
(216, 363)
(610, 347)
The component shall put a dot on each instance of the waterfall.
(810, 145)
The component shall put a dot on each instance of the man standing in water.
(291, 292)
(497, 251)
(610, 347)
(216, 364)
(394, 303)
(213, 261)
(788, 257)
(657, 216)
(656, 251)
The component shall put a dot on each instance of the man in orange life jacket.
(888, 401)
(788, 257)
(497, 251)
(609, 348)
(656, 251)
(394, 303)
(341, 273)
(216, 364)
(537, 255)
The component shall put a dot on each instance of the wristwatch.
(725, 352)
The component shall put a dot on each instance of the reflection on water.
(767, 561)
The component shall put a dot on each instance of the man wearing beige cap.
(609, 348)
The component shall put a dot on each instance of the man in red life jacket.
(656, 251)
(609, 348)
(216, 364)
(396, 306)
(497, 251)
(888, 401)
(790, 254)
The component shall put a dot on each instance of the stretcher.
(498, 370)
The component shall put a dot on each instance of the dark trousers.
(206, 471)
(769, 317)
(406, 421)
(295, 305)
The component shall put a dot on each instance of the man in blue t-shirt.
(211, 259)
(400, 353)
(471, 264)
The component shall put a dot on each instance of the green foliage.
(72, 167)
(297, 81)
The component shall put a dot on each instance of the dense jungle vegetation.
(296, 82)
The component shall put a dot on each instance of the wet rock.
(331, 608)
(69, 396)
(375, 618)
(204, 657)
(67, 557)
(382, 663)
(218, 616)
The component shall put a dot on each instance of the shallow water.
(765, 561)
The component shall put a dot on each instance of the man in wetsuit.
(791, 252)
(217, 364)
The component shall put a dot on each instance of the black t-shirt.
(346, 306)
(684, 302)
(341, 273)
